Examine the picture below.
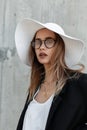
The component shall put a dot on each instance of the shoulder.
(82, 84)
(82, 80)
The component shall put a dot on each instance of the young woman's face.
(45, 51)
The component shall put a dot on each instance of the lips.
(42, 54)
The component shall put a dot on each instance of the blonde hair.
(58, 67)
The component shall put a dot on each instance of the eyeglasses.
(48, 42)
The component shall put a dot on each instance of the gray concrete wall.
(14, 76)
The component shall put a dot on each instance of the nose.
(42, 45)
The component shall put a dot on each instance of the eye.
(37, 41)
(50, 40)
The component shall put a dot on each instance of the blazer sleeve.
(83, 86)
(83, 127)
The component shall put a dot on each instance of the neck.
(48, 85)
(49, 76)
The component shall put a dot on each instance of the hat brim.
(25, 31)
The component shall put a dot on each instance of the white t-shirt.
(36, 114)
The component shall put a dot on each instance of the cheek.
(51, 52)
(36, 52)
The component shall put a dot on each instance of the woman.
(58, 88)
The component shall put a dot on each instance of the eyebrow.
(44, 39)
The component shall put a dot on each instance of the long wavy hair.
(58, 66)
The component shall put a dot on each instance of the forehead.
(43, 33)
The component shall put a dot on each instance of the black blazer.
(69, 109)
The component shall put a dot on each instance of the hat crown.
(55, 27)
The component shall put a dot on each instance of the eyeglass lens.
(48, 42)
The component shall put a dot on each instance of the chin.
(43, 62)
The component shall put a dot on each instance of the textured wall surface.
(14, 76)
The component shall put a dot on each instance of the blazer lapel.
(56, 101)
(20, 123)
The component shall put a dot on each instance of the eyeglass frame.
(43, 41)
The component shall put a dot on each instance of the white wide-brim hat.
(25, 31)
